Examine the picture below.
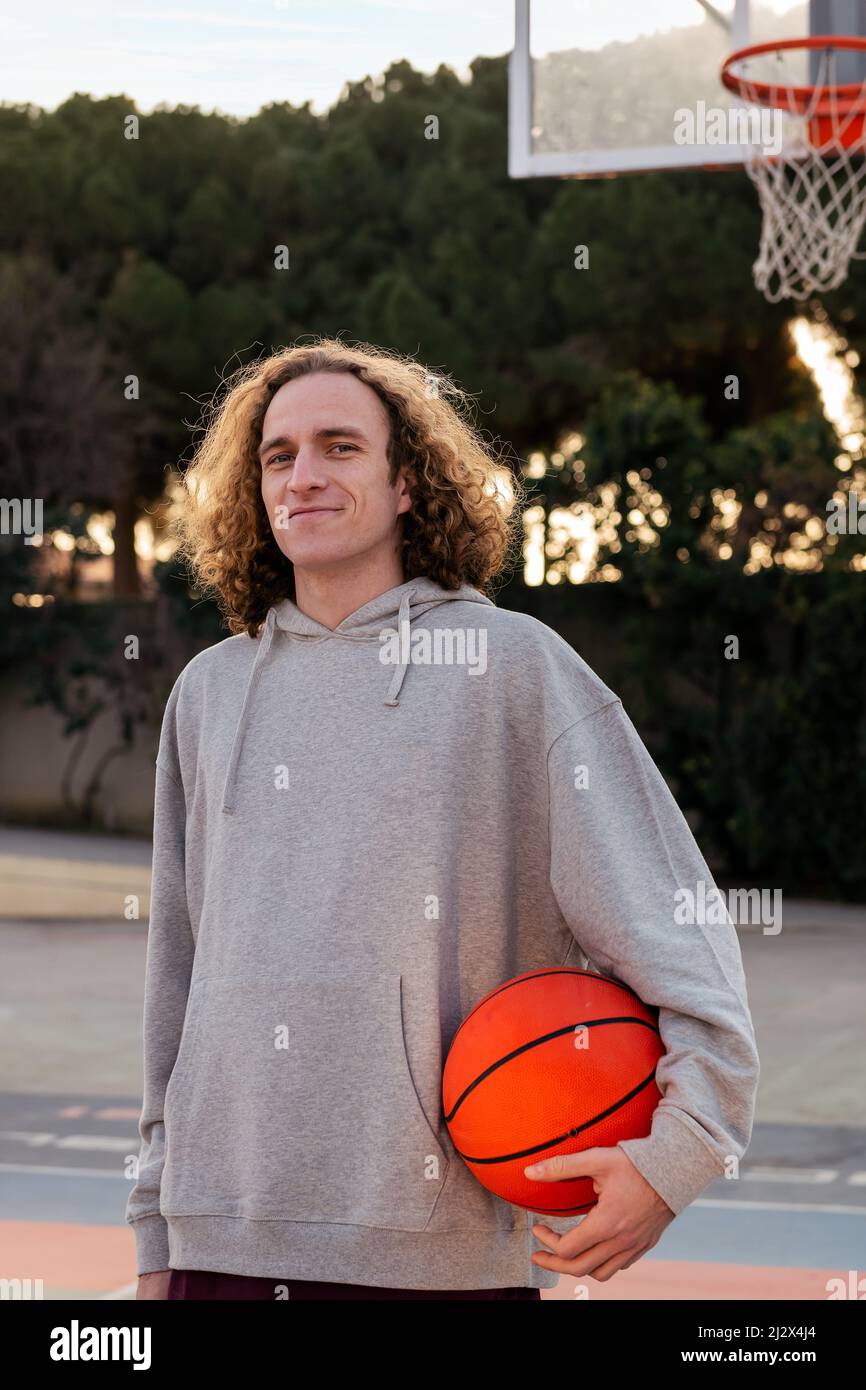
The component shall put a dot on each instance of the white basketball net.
(813, 195)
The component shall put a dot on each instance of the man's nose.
(307, 469)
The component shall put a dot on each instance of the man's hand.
(154, 1285)
(626, 1221)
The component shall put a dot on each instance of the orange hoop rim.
(843, 99)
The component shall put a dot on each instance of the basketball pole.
(737, 26)
(714, 14)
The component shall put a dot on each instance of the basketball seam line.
(571, 1133)
(543, 1038)
(552, 970)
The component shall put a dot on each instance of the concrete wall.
(34, 754)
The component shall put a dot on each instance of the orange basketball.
(552, 1062)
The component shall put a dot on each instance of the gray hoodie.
(356, 837)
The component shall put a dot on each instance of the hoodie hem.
(151, 1243)
(464, 1259)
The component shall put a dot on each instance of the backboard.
(604, 87)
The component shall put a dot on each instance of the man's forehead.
(313, 398)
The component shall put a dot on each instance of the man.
(367, 817)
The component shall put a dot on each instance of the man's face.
(325, 472)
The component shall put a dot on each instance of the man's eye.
(345, 446)
(276, 457)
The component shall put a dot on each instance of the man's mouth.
(311, 511)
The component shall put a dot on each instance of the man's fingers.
(640, 1253)
(591, 1231)
(598, 1257)
(547, 1236)
(605, 1271)
(587, 1164)
(623, 1260)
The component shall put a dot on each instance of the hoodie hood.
(396, 608)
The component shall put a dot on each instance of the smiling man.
(347, 858)
(327, 492)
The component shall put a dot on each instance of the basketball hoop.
(812, 188)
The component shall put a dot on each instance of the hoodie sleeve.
(170, 950)
(620, 852)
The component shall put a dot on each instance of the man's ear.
(407, 477)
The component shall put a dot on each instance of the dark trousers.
(202, 1283)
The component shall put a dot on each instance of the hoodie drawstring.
(264, 647)
(393, 696)
(265, 640)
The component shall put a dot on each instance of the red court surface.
(96, 1261)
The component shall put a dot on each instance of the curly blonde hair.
(464, 523)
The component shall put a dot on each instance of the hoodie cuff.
(674, 1160)
(151, 1243)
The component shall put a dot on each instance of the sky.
(238, 55)
(555, 23)
(234, 55)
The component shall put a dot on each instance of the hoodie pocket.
(187, 1043)
(293, 1100)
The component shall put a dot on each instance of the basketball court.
(794, 1220)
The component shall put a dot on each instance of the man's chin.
(318, 560)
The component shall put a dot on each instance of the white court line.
(832, 1208)
(125, 1291)
(112, 1143)
(100, 1143)
(813, 1175)
(741, 1204)
(57, 1172)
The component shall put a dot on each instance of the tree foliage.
(155, 259)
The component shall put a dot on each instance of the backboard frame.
(524, 162)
